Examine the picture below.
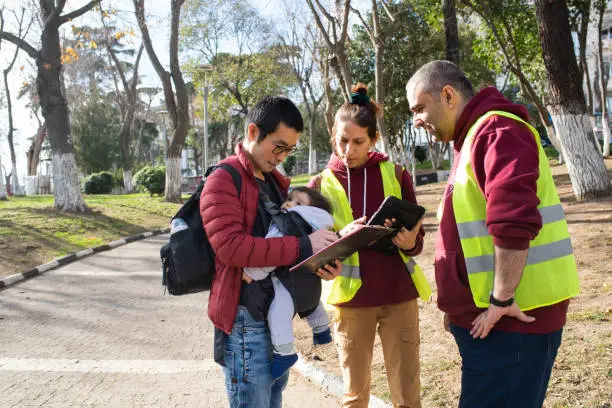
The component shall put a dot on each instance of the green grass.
(34, 231)
(426, 165)
(300, 180)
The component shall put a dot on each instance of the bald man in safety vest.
(505, 269)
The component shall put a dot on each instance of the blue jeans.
(248, 365)
(505, 370)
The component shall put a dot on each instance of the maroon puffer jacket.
(228, 221)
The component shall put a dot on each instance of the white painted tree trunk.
(3, 194)
(17, 191)
(606, 137)
(312, 155)
(585, 165)
(312, 161)
(173, 180)
(67, 194)
(552, 136)
(128, 185)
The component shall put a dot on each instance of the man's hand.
(405, 239)
(487, 319)
(447, 322)
(321, 238)
(329, 272)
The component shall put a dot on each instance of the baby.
(313, 208)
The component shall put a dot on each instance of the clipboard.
(360, 238)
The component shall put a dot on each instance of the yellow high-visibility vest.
(346, 285)
(550, 275)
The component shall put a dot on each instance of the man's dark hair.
(270, 111)
(316, 199)
(435, 75)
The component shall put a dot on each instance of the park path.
(99, 333)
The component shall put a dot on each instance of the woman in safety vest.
(377, 288)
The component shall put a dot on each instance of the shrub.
(289, 164)
(151, 179)
(420, 153)
(99, 183)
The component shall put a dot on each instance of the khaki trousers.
(398, 329)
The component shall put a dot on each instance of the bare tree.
(33, 154)
(177, 101)
(67, 194)
(127, 101)
(23, 30)
(320, 54)
(295, 51)
(335, 35)
(566, 102)
(378, 37)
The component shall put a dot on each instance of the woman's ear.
(375, 140)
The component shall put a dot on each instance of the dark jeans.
(505, 370)
(248, 365)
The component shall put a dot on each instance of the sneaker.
(282, 363)
(322, 338)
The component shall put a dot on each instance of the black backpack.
(188, 260)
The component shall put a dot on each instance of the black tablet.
(406, 213)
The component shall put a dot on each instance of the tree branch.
(21, 43)
(365, 25)
(344, 29)
(320, 24)
(79, 12)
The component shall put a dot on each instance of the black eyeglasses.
(284, 149)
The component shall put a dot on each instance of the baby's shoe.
(281, 363)
(322, 338)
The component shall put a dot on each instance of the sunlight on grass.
(34, 232)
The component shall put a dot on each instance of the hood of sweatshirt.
(486, 100)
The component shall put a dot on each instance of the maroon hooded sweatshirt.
(385, 279)
(504, 156)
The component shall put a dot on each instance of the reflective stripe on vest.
(346, 285)
(550, 275)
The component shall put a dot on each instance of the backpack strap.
(230, 169)
(235, 175)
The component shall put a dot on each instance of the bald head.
(432, 77)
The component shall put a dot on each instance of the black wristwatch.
(500, 303)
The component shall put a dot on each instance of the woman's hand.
(329, 272)
(405, 239)
(348, 228)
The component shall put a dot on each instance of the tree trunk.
(128, 185)
(566, 102)
(3, 193)
(451, 30)
(178, 108)
(67, 189)
(173, 177)
(379, 53)
(34, 150)
(312, 165)
(11, 132)
(67, 194)
(598, 8)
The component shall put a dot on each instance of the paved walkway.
(99, 333)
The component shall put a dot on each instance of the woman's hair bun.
(359, 95)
